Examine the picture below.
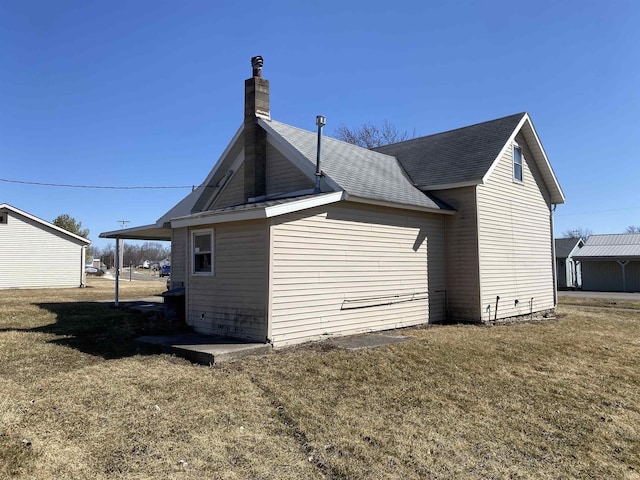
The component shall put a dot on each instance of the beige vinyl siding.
(462, 264)
(514, 240)
(605, 276)
(33, 255)
(179, 244)
(233, 300)
(233, 192)
(282, 175)
(325, 261)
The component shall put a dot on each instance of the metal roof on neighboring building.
(611, 247)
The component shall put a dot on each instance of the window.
(517, 163)
(202, 244)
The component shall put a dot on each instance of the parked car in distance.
(165, 270)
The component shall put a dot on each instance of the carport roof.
(624, 246)
(145, 232)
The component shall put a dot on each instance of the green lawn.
(78, 399)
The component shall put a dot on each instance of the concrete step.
(205, 349)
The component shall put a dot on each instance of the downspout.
(552, 209)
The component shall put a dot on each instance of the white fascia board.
(224, 155)
(258, 213)
(448, 186)
(547, 164)
(402, 206)
(235, 166)
(6, 206)
(305, 203)
(144, 232)
(184, 206)
(543, 164)
(505, 147)
(303, 164)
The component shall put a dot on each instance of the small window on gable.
(517, 163)
(202, 249)
(4, 218)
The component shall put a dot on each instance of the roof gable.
(564, 246)
(44, 223)
(360, 172)
(468, 155)
(470, 150)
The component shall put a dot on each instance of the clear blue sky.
(149, 93)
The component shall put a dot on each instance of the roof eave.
(449, 186)
(258, 213)
(383, 203)
(144, 232)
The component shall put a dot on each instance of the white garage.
(37, 254)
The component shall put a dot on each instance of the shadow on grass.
(99, 328)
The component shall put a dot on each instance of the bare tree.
(633, 229)
(579, 232)
(369, 135)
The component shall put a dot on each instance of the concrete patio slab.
(205, 349)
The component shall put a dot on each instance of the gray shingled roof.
(564, 246)
(360, 172)
(611, 247)
(463, 155)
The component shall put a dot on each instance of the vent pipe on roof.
(321, 121)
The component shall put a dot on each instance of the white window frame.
(211, 252)
(519, 149)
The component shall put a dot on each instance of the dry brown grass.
(600, 302)
(556, 399)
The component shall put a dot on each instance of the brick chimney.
(256, 104)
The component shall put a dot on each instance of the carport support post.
(118, 248)
(623, 264)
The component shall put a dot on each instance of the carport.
(611, 263)
(152, 232)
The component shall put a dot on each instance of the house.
(611, 263)
(37, 254)
(569, 271)
(275, 246)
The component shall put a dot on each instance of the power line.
(65, 185)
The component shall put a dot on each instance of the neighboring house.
(455, 226)
(38, 254)
(611, 263)
(568, 270)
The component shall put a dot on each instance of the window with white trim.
(202, 252)
(517, 162)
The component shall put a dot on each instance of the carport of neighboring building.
(611, 263)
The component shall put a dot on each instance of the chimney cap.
(256, 64)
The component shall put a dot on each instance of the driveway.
(606, 295)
